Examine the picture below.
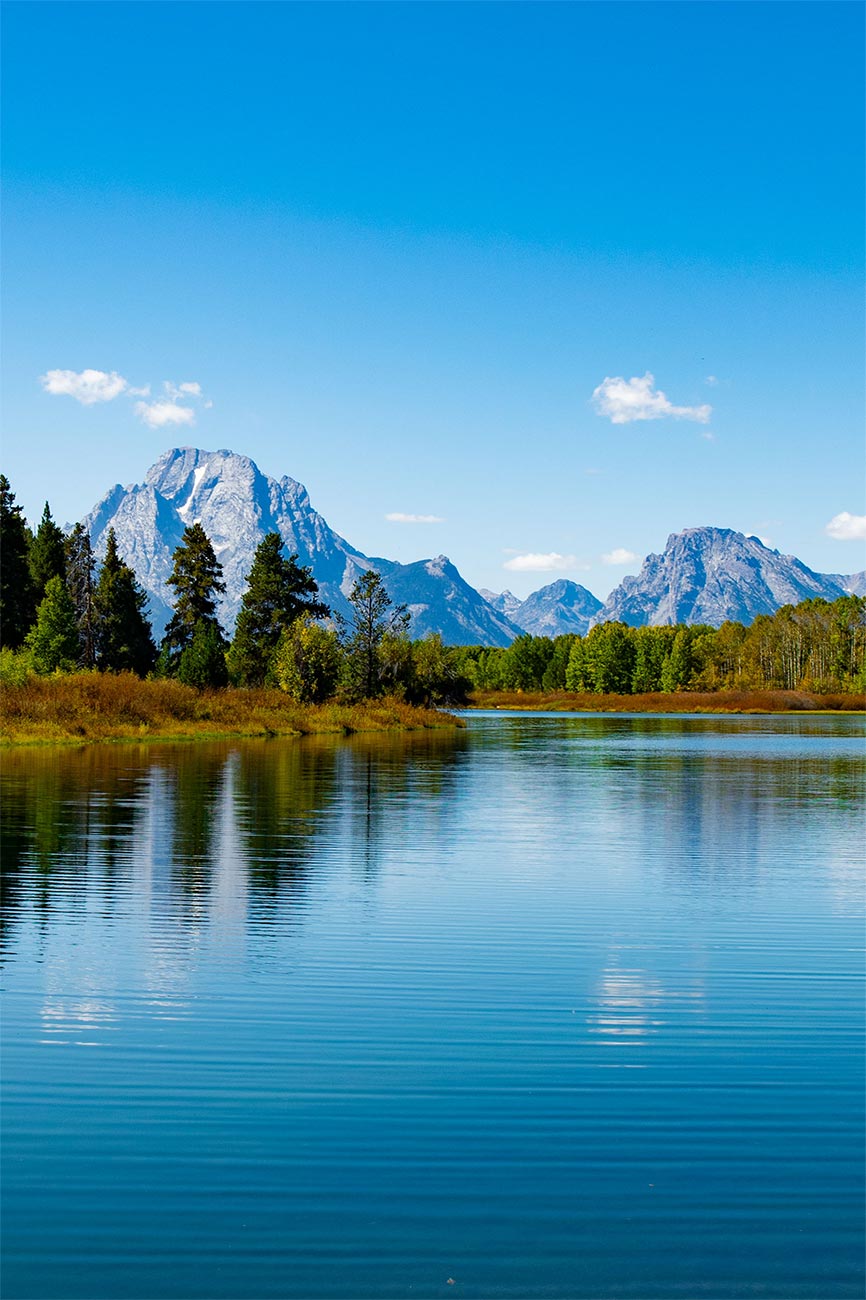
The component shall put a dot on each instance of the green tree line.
(818, 645)
(60, 611)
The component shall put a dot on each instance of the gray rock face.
(236, 505)
(505, 603)
(560, 607)
(709, 575)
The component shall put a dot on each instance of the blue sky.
(399, 247)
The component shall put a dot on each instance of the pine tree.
(203, 662)
(47, 554)
(80, 565)
(17, 598)
(279, 592)
(197, 580)
(370, 623)
(53, 640)
(122, 635)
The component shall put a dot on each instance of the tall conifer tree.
(279, 591)
(47, 553)
(17, 601)
(122, 635)
(80, 566)
(53, 639)
(197, 580)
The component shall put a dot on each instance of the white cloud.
(711, 381)
(708, 436)
(397, 517)
(157, 414)
(619, 555)
(535, 563)
(624, 400)
(144, 391)
(847, 528)
(86, 386)
(191, 387)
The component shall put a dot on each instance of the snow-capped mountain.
(237, 504)
(709, 575)
(561, 606)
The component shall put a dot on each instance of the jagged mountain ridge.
(560, 607)
(711, 575)
(237, 505)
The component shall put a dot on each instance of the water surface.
(563, 1006)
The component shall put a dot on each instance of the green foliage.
(197, 580)
(16, 666)
(279, 592)
(652, 645)
(122, 638)
(308, 662)
(80, 566)
(53, 640)
(677, 668)
(372, 619)
(202, 662)
(525, 663)
(609, 657)
(557, 666)
(439, 678)
(47, 554)
(17, 596)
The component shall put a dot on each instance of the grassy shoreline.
(83, 708)
(733, 701)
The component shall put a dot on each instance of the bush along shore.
(92, 706)
(721, 701)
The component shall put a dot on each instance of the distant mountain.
(710, 575)
(562, 606)
(236, 505)
(505, 603)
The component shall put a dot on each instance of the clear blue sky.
(400, 246)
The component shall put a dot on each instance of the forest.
(62, 612)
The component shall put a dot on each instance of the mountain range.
(704, 575)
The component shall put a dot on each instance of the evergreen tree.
(53, 640)
(678, 665)
(122, 635)
(279, 592)
(80, 564)
(17, 597)
(197, 580)
(371, 621)
(203, 662)
(47, 554)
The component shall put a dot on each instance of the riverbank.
(86, 707)
(675, 702)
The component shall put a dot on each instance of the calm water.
(553, 1007)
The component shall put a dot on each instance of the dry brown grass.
(678, 702)
(106, 706)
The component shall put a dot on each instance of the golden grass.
(108, 706)
(734, 701)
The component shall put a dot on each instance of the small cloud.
(619, 555)
(708, 436)
(157, 414)
(847, 528)
(397, 517)
(86, 386)
(535, 563)
(191, 387)
(711, 381)
(139, 392)
(625, 400)
(591, 472)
